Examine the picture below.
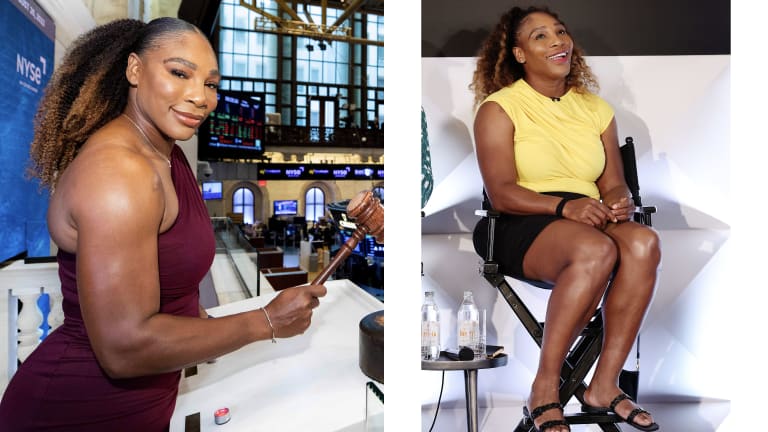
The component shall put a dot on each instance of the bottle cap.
(221, 416)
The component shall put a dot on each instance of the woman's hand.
(589, 211)
(291, 311)
(622, 209)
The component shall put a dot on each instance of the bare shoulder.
(109, 182)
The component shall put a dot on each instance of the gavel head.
(368, 213)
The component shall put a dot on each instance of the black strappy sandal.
(538, 411)
(630, 420)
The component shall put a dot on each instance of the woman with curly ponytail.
(547, 149)
(133, 234)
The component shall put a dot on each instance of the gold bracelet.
(270, 325)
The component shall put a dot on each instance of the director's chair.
(586, 349)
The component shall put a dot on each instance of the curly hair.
(89, 89)
(498, 68)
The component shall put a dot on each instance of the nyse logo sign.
(30, 71)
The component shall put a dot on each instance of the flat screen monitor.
(285, 207)
(235, 129)
(211, 190)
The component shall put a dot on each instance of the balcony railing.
(25, 284)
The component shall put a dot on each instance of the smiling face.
(175, 83)
(543, 46)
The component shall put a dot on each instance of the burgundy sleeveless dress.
(61, 387)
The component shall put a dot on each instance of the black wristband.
(560, 206)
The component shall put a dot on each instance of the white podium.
(309, 382)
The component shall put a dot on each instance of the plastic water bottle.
(468, 324)
(430, 328)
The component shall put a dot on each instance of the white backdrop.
(677, 109)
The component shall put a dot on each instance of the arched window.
(314, 204)
(242, 202)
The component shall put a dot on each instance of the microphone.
(555, 99)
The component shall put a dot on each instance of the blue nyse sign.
(26, 63)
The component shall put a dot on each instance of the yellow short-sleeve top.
(557, 143)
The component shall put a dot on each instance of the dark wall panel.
(456, 28)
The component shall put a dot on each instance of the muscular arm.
(117, 270)
(494, 138)
(613, 188)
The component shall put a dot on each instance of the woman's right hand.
(291, 311)
(589, 211)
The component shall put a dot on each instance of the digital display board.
(320, 172)
(235, 129)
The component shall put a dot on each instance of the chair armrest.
(487, 213)
(645, 209)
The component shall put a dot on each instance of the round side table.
(470, 368)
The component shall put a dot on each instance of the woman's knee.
(597, 253)
(643, 245)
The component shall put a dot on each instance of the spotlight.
(310, 47)
(322, 46)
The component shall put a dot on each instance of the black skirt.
(514, 234)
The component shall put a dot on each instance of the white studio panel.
(677, 109)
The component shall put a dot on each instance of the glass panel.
(314, 112)
(226, 38)
(241, 18)
(270, 99)
(235, 85)
(240, 65)
(247, 196)
(302, 70)
(259, 87)
(227, 15)
(287, 70)
(241, 42)
(301, 111)
(286, 117)
(330, 115)
(342, 75)
(329, 73)
(371, 74)
(301, 101)
(226, 64)
(314, 72)
(270, 68)
(373, 59)
(271, 87)
(248, 86)
(301, 89)
(270, 45)
(254, 43)
(285, 94)
(254, 66)
(323, 91)
(342, 52)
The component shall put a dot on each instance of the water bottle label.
(430, 333)
(467, 333)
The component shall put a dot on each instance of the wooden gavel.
(369, 219)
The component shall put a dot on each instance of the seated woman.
(548, 153)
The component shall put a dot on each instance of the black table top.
(446, 363)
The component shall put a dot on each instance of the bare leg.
(579, 259)
(624, 308)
